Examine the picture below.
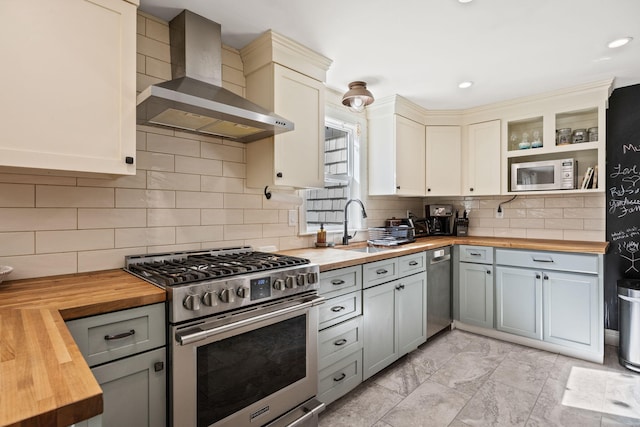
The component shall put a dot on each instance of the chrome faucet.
(346, 237)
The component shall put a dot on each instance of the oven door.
(246, 368)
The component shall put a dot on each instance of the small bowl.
(536, 144)
(524, 145)
(5, 270)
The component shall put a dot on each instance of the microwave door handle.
(203, 334)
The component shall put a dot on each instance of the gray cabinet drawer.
(339, 309)
(338, 341)
(341, 281)
(580, 263)
(477, 254)
(340, 378)
(123, 333)
(410, 264)
(379, 272)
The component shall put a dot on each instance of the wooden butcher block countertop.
(44, 380)
(338, 257)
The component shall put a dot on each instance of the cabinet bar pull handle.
(381, 271)
(341, 377)
(488, 271)
(412, 263)
(337, 308)
(537, 276)
(546, 277)
(399, 287)
(475, 254)
(120, 336)
(337, 282)
(340, 342)
(542, 259)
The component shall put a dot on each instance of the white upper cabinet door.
(69, 85)
(443, 170)
(483, 159)
(410, 157)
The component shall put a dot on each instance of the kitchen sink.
(369, 249)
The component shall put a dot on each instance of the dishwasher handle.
(438, 260)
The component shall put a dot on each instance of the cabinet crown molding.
(396, 104)
(273, 47)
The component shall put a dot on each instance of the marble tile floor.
(461, 379)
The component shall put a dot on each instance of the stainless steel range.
(243, 333)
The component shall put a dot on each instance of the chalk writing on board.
(624, 206)
(625, 234)
(630, 147)
(631, 248)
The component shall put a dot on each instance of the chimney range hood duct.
(194, 100)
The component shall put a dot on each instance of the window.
(341, 172)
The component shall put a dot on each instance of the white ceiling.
(422, 49)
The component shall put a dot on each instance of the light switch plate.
(293, 217)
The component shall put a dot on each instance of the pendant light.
(357, 97)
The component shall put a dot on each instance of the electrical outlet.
(293, 217)
(500, 214)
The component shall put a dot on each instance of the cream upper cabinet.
(396, 149)
(481, 175)
(443, 160)
(287, 79)
(69, 85)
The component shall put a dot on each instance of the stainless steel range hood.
(194, 100)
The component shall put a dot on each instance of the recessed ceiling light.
(464, 85)
(619, 42)
(465, 1)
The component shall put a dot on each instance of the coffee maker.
(439, 219)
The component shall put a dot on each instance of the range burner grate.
(195, 266)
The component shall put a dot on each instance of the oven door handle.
(201, 335)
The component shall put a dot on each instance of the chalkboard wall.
(623, 196)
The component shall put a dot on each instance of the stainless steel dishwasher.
(438, 290)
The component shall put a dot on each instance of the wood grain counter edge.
(44, 379)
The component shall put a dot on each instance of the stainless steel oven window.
(238, 371)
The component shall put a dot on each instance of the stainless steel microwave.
(544, 175)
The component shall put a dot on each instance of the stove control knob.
(312, 277)
(300, 279)
(192, 302)
(227, 295)
(243, 292)
(290, 282)
(210, 298)
(278, 285)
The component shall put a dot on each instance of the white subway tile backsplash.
(141, 142)
(18, 178)
(564, 202)
(148, 160)
(111, 218)
(217, 184)
(261, 216)
(173, 145)
(73, 240)
(586, 235)
(157, 31)
(31, 219)
(222, 152)
(197, 234)
(139, 180)
(276, 230)
(545, 213)
(19, 243)
(148, 236)
(105, 259)
(242, 201)
(17, 195)
(194, 165)
(199, 200)
(172, 181)
(234, 170)
(564, 224)
(133, 198)
(153, 48)
(51, 196)
(583, 213)
(241, 232)
(175, 248)
(222, 216)
(41, 265)
(172, 217)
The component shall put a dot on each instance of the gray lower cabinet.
(474, 285)
(519, 302)
(549, 296)
(340, 336)
(127, 354)
(395, 318)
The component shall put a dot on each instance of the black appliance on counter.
(439, 219)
